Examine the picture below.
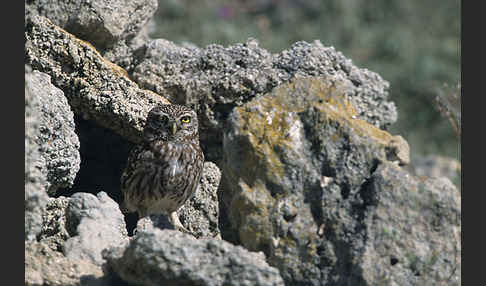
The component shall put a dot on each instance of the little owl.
(163, 172)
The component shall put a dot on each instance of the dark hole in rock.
(103, 157)
(393, 261)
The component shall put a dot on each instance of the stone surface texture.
(95, 88)
(200, 215)
(54, 232)
(297, 165)
(102, 23)
(94, 223)
(35, 168)
(169, 257)
(58, 143)
(44, 266)
(413, 229)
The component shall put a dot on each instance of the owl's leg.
(174, 218)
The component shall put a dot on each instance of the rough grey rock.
(44, 266)
(200, 215)
(95, 223)
(95, 88)
(102, 23)
(413, 230)
(59, 12)
(168, 257)
(122, 53)
(215, 79)
(35, 169)
(296, 177)
(58, 143)
(54, 232)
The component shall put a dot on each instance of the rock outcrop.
(298, 168)
(313, 189)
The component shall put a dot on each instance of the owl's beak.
(174, 128)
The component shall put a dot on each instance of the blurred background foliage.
(413, 44)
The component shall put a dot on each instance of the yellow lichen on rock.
(272, 138)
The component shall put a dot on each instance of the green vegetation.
(414, 44)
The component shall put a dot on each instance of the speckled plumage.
(163, 172)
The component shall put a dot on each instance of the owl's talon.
(174, 218)
(182, 229)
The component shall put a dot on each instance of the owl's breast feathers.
(177, 160)
(161, 176)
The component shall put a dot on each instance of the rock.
(102, 23)
(168, 257)
(58, 143)
(296, 171)
(35, 168)
(413, 230)
(54, 232)
(95, 223)
(200, 215)
(59, 12)
(215, 79)
(398, 151)
(122, 53)
(95, 88)
(44, 266)
(368, 92)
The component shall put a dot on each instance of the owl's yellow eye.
(186, 119)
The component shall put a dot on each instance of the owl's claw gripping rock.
(174, 218)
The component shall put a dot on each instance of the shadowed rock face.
(298, 164)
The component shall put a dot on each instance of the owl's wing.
(130, 165)
(127, 173)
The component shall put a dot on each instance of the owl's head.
(171, 122)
